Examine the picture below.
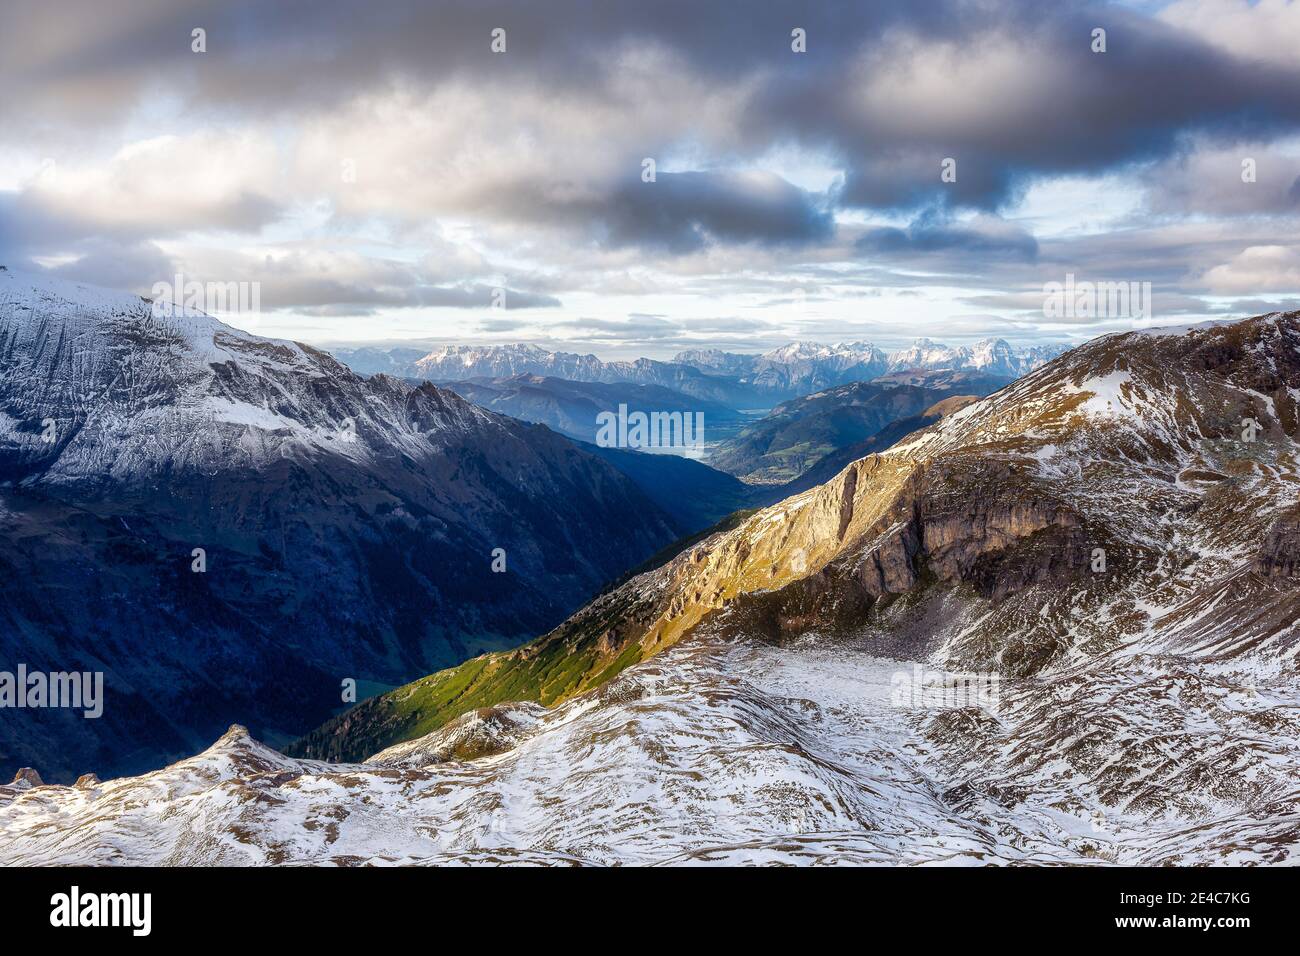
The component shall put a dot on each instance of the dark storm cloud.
(1053, 105)
(930, 234)
(90, 56)
(1034, 101)
(682, 212)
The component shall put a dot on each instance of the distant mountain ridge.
(990, 356)
(464, 362)
(740, 380)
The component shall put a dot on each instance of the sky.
(400, 171)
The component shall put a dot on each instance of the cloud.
(1267, 31)
(501, 325)
(681, 212)
(1238, 179)
(1256, 269)
(1262, 306)
(982, 237)
(103, 262)
(163, 186)
(324, 281)
(436, 171)
(634, 328)
(1011, 89)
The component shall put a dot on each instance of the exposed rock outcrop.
(1279, 552)
(27, 777)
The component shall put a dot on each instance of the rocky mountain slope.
(717, 753)
(798, 434)
(1109, 543)
(345, 526)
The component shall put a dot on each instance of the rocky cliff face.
(345, 527)
(1279, 553)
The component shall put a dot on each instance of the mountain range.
(1109, 547)
(1114, 537)
(736, 379)
(809, 367)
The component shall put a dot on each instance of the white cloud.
(211, 179)
(1257, 270)
(1263, 30)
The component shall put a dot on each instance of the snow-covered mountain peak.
(470, 355)
(88, 310)
(797, 351)
(100, 383)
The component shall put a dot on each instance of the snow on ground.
(706, 754)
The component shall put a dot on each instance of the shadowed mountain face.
(836, 461)
(800, 433)
(695, 495)
(344, 527)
